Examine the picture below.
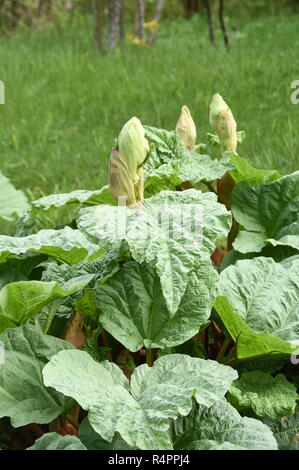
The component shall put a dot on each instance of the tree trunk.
(190, 7)
(139, 19)
(222, 23)
(98, 33)
(158, 16)
(210, 21)
(114, 8)
(122, 21)
(44, 8)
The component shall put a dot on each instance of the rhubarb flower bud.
(186, 129)
(120, 180)
(222, 120)
(133, 147)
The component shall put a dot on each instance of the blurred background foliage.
(66, 101)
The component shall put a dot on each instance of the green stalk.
(149, 357)
(223, 348)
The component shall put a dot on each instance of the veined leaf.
(264, 294)
(134, 311)
(74, 198)
(246, 172)
(66, 245)
(285, 430)
(159, 393)
(220, 427)
(54, 441)
(20, 301)
(250, 345)
(173, 231)
(13, 202)
(23, 396)
(268, 213)
(267, 396)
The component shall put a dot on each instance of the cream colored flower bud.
(133, 146)
(120, 180)
(222, 120)
(186, 129)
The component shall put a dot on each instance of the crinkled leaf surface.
(173, 231)
(93, 441)
(246, 172)
(134, 311)
(21, 300)
(250, 345)
(265, 294)
(65, 245)
(171, 164)
(23, 396)
(206, 380)
(269, 212)
(285, 430)
(78, 197)
(13, 202)
(158, 393)
(222, 425)
(54, 441)
(267, 396)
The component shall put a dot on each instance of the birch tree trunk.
(158, 16)
(139, 19)
(114, 9)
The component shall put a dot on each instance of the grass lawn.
(65, 102)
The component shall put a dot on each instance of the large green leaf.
(171, 164)
(268, 212)
(134, 311)
(173, 231)
(54, 441)
(65, 245)
(59, 209)
(74, 198)
(285, 430)
(246, 172)
(220, 427)
(13, 202)
(264, 294)
(93, 440)
(20, 301)
(250, 345)
(158, 393)
(267, 396)
(23, 396)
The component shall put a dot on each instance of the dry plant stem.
(72, 422)
(222, 23)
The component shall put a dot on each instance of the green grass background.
(65, 102)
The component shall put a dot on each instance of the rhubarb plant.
(160, 312)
